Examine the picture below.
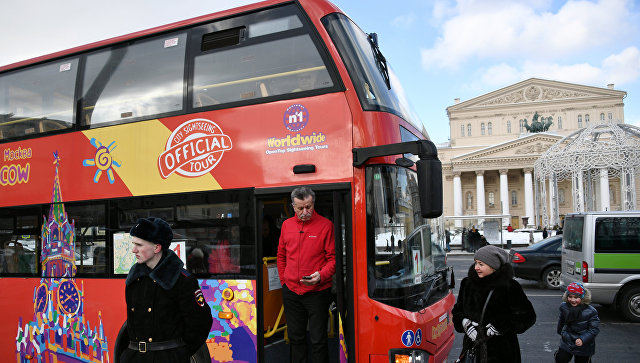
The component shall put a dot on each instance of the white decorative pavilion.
(590, 158)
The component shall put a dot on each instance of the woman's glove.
(470, 328)
(491, 330)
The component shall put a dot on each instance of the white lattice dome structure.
(589, 158)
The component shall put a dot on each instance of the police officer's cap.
(154, 230)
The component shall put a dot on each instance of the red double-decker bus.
(209, 123)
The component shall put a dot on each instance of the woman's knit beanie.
(493, 256)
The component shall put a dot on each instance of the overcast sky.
(440, 50)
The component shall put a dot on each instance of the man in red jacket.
(306, 264)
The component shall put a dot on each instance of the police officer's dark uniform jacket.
(165, 307)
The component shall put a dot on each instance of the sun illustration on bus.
(103, 160)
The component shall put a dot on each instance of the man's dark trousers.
(314, 307)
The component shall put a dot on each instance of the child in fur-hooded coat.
(578, 325)
(508, 311)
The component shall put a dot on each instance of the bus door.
(273, 209)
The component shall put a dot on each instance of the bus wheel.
(630, 303)
(202, 355)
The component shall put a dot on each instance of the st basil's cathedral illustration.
(59, 330)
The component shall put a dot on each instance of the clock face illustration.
(42, 297)
(68, 297)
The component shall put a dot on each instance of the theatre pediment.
(527, 147)
(535, 90)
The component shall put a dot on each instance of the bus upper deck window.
(264, 54)
(126, 83)
(38, 100)
(221, 39)
(372, 77)
(272, 26)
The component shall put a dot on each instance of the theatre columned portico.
(497, 179)
(488, 162)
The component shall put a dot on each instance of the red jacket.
(304, 248)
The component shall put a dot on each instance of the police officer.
(168, 318)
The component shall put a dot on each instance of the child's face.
(574, 300)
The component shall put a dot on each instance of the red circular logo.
(193, 149)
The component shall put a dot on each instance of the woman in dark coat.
(508, 312)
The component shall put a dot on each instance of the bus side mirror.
(430, 187)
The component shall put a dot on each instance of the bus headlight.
(408, 356)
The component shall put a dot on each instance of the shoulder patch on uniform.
(199, 297)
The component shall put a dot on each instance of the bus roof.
(322, 5)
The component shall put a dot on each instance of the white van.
(602, 250)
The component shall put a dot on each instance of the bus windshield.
(407, 266)
(373, 79)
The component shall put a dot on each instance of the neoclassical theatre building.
(488, 162)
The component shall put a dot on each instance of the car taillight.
(517, 258)
(585, 271)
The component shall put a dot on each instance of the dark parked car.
(539, 262)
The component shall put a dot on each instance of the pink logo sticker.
(295, 117)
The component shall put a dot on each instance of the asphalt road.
(618, 341)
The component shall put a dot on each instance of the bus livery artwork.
(193, 149)
(233, 335)
(102, 160)
(15, 173)
(60, 331)
(296, 117)
(209, 123)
